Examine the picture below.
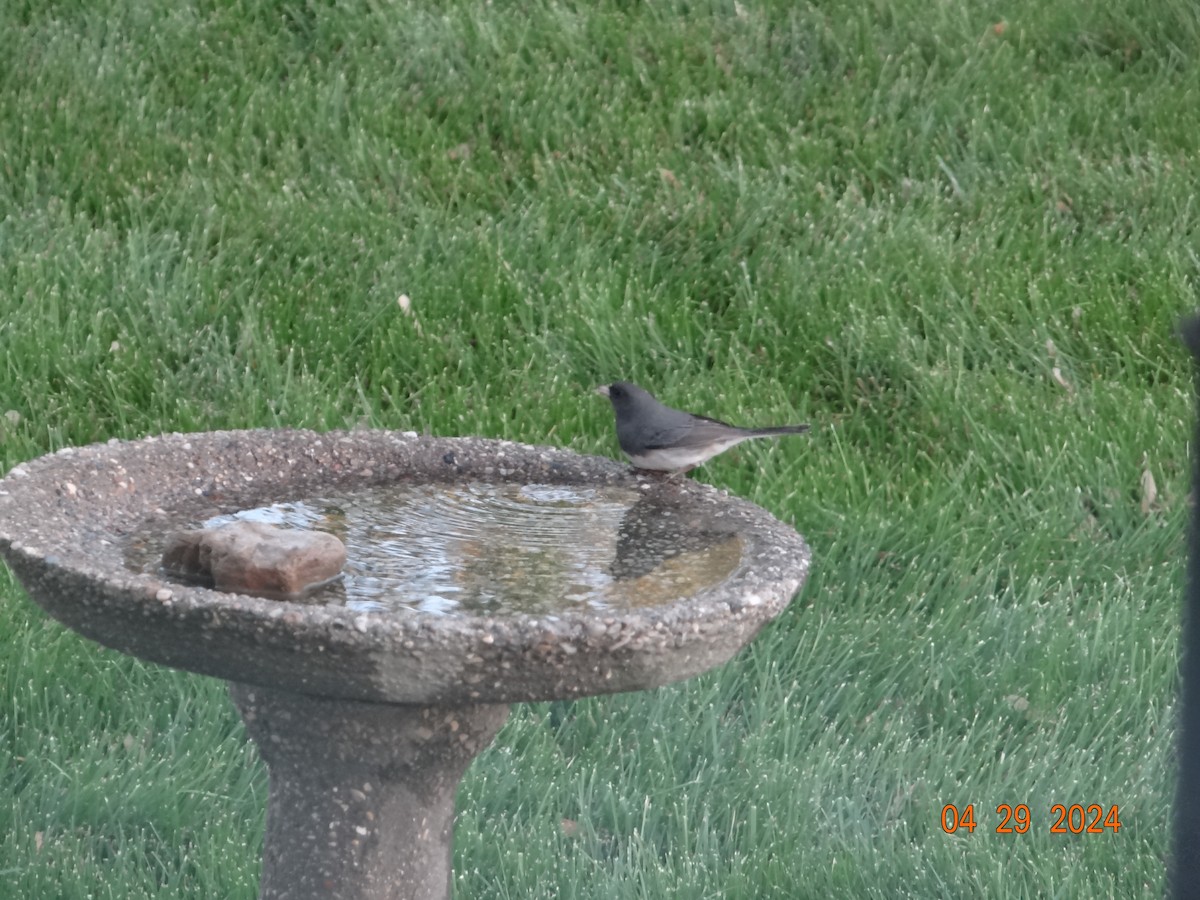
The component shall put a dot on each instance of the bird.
(658, 438)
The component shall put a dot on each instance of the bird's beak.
(602, 390)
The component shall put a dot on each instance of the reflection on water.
(492, 549)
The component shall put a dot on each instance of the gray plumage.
(655, 436)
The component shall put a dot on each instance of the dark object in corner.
(1185, 854)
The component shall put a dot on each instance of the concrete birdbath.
(508, 573)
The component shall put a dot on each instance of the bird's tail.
(777, 430)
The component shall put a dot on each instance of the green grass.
(955, 237)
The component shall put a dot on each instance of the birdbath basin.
(369, 703)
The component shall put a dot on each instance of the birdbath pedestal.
(368, 716)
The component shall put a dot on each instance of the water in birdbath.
(368, 721)
(480, 548)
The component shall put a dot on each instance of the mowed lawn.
(957, 238)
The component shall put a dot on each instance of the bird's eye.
(616, 390)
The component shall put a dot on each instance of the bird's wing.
(698, 419)
(698, 431)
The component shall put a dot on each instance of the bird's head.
(622, 393)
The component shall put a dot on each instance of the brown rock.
(255, 558)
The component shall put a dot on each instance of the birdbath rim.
(66, 518)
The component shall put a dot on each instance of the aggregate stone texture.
(66, 520)
(361, 805)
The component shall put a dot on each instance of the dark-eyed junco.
(662, 439)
